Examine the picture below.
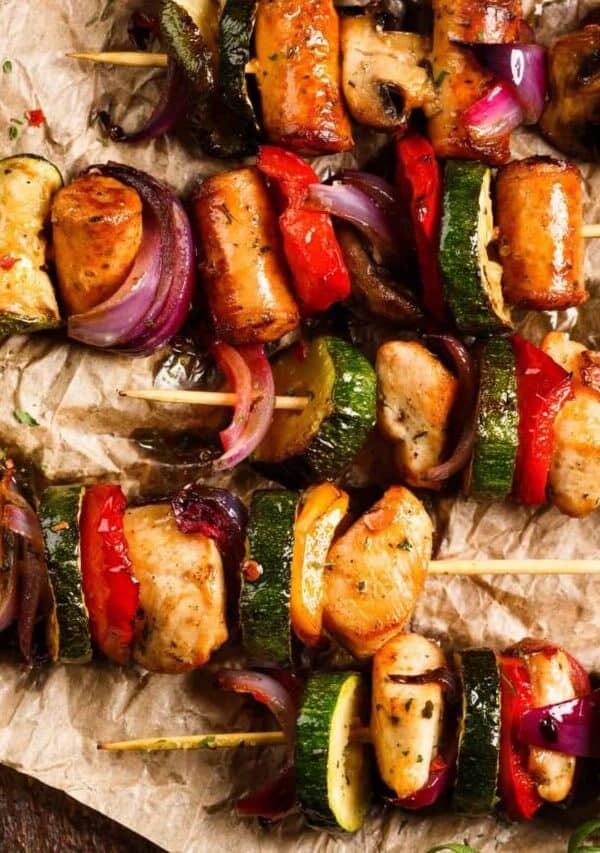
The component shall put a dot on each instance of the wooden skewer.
(590, 231)
(208, 398)
(514, 567)
(131, 58)
(225, 740)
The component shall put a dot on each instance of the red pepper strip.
(516, 786)
(309, 242)
(543, 387)
(419, 181)
(7, 262)
(111, 593)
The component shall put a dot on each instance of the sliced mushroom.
(385, 74)
(374, 285)
(571, 118)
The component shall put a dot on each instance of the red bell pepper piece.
(111, 593)
(516, 786)
(419, 181)
(543, 387)
(309, 242)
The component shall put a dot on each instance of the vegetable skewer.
(505, 726)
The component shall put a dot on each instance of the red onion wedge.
(152, 304)
(239, 380)
(9, 580)
(382, 192)
(170, 108)
(441, 774)
(260, 416)
(356, 206)
(497, 113)
(465, 405)
(277, 797)
(274, 801)
(523, 66)
(216, 513)
(571, 727)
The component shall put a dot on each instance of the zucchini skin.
(265, 602)
(27, 298)
(458, 253)
(236, 27)
(314, 733)
(354, 398)
(192, 49)
(312, 740)
(497, 437)
(479, 739)
(59, 512)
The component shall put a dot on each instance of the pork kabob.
(478, 77)
(254, 264)
(505, 730)
(148, 584)
(124, 249)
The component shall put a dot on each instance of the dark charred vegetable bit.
(141, 29)
(385, 74)
(192, 42)
(235, 28)
(549, 729)
(571, 118)
(373, 285)
(25, 586)
(215, 513)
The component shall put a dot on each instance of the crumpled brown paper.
(51, 720)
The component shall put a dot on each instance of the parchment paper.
(51, 719)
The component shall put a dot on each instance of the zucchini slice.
(497, 437)
(472, 280)
(479, 732)
(189, 30)
(320, 511)
(68, 633)
(333, 775)
(27, 298)
(265, 596)
(236, 28)
(330, 431)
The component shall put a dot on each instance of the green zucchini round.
(265, 600)
(497, 437)
(68, 632)
(472, 280)
(330, 431)
(236, 27)
(333, 775)
(27, 298)
(479, 733)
